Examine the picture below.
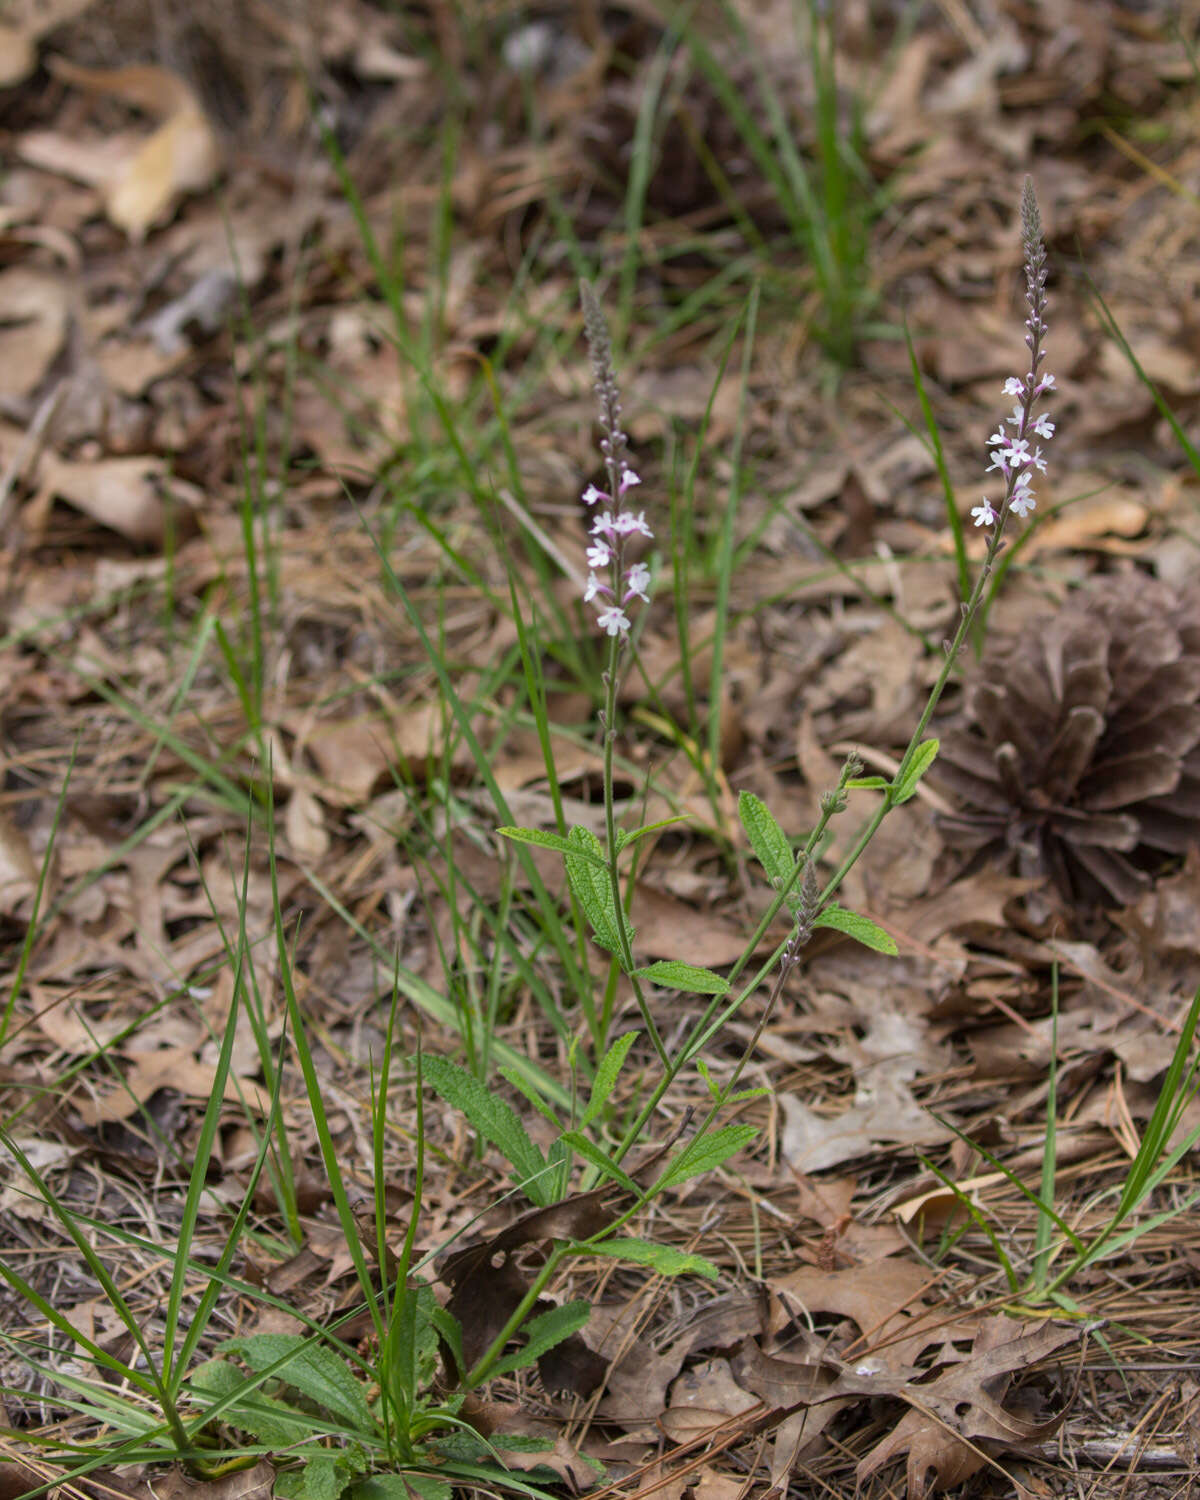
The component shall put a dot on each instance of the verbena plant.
(379, 1418)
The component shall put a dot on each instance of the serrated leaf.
(664, 1259)
(544, 840)
(543, 1333)
(402, 1487)
(921, 762)
(607, 1074)
(860, 928)
(590, 1151)
(494, 1119)
(769, 842)
(706, 1152)
(313, 1369)
(323, 1477)
(592, 887)
(267, 1419)
(673, 975)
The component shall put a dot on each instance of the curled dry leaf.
(141, 178)
(488, 1285)
(957, 1416)
(127, 494)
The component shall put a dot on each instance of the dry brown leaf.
(255, 1483)
(140, 178)
(886, 1115)
(34, 312)
(667, 928)
(961, 1409)
(704, 1397)
(18, 55)
(18, 868)
(126, 494)
(168, 1068)
(304, 822)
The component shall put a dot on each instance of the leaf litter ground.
(131, 417)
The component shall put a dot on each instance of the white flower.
(1023, 502)
(1046, 383)
(613, 621)
(984, 514)
(1014, 387)
(599, 555)
(1022, 496)
(1043, 427)
(594, 587)
(628, 480)
(592, 494)
(604, 524)
(638, 580)
(627, 523)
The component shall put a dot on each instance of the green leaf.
(921, 762)
(868, 784)
(706, 1152)
(590, 1151)
(714, 1088)
(673, 975)
(402, 1487)
(313, 1369)
(270, 1421)
(625, 837)
(545, 841)
(664, 1259)
(324, 1476)
(451, 1331)
(861, 929)
(591, 885)
(770, 844)
(525, 1086)
(494, 1119)
(606, 1075)
(543, 1333)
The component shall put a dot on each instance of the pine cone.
(1078, 755)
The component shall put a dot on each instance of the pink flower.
(627, 523)
(984, 514)
(599, 555)
(592, 494)
(638, 581)
(594, 587)
(613, 621)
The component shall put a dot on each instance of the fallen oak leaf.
(955, 1420)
